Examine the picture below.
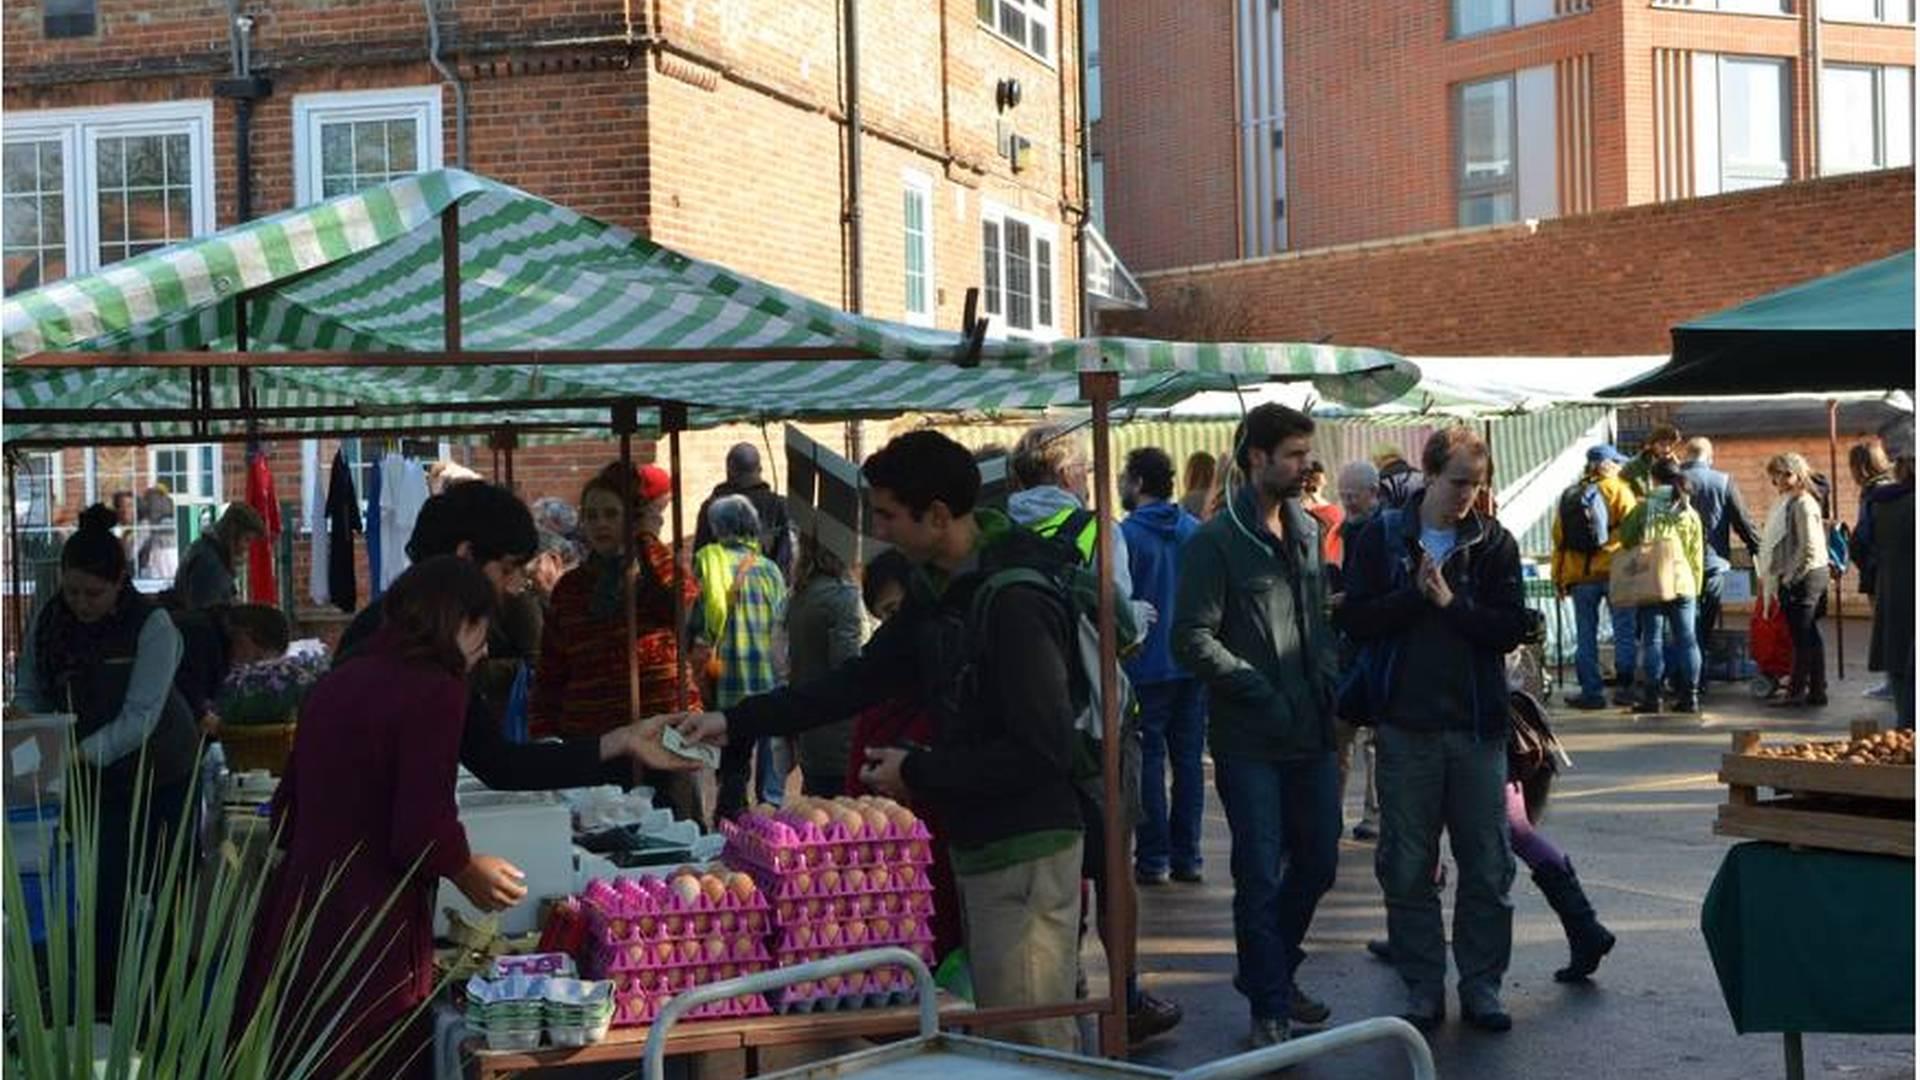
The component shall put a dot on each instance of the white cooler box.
(531, 830)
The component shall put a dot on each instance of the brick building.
(718, 129)
(1241, 130)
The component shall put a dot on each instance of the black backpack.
(1583, 518)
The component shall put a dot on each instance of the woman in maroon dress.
(369, 797)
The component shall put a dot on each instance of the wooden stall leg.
(1796, 1056)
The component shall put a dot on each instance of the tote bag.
(1649, 574)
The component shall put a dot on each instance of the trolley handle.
(1268, 1059)
(654, 1056)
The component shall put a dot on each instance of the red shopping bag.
(1769, 639)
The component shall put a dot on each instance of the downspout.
(244, 88)
(1085, 322)
(1813, 91)
(855, 292)
(449, 75)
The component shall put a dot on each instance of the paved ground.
(1636, 816)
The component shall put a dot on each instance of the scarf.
(62, 642)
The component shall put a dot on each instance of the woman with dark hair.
(104, 653)
(368, 819)
(824, 630)
(1873, 477)
(1668, 511)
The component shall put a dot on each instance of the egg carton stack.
(844, 875)
(654, 938)
(513, 1012)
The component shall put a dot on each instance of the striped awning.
(362, 274)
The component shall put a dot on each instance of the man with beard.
(1250, 621)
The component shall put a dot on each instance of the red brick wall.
(1167, 132)
(1369, 122)
(1608, 284)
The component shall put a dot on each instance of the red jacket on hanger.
(261, 587)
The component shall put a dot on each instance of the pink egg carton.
(637, 1008)
(920, 945)
(650, 910)
(780, 847)
(853, 936)
(675, 955)
(842, 881)
(888, 903)
(863, 990)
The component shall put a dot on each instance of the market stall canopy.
(1457, 386)
(362, 275)
(1849, 331)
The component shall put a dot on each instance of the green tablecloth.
(1813, 940)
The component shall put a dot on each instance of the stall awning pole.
(673, 419)
(450, 275)
(1833, 515)
(1099, 388)
(17, 613)
(625, 420)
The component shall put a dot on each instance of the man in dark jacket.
(743, 478)
(491, 526)
(1434, 598)
(1001, 770)
(1399, 481)
(1250, 623)
(1716, 498)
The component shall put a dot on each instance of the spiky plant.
(185, 928)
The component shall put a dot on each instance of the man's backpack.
(1583, 518)
(1054, 565)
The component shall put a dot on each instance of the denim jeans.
(1429, 781)
(1284, 817)
(1676, 621)
(1586, 623)
(1708, 618)
(1172, 731)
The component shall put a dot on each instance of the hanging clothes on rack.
(376, 549)
(263, 586)
(313, 513)
(403, 491)
(343, 520)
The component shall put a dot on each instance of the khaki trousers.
(1023, 934)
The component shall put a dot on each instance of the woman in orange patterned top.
(580, 684)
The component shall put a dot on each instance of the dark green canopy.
(1848, 331)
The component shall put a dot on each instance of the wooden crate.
(1867, 808)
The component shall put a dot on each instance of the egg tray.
(803, 884)
(652, 898)
(865, 990)
(677, 925)
(778, 847)
(639, 1008)
(792, 950)
(613, 959)
(886, 903)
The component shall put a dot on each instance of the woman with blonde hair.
(1197, 483)
(1793, 566)
(206, 576)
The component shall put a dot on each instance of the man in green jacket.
(1250, 621)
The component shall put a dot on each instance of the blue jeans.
(1429, 781)
(1172, 725)
(1676, 621)
(1586, 624)
(1284, 817)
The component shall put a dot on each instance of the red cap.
(655, 482)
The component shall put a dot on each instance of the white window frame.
(421, 104)
(1038, 229)
(214, 485)
(1748, 181)
(79, 131)
(1465, 189)
(1880, 16)
(1768, 8)
(918, 183)
(1042, 11)
(1881, 95)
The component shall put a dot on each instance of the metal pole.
(450, 275)
(673, 418)
(17, 613)
(1100, 388)
(1833, 515)
(510, 440)
(625, 419)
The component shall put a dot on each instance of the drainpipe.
(244, 88)
(1813, 89)
(451, 76)
(1085, 323)
(855, 292)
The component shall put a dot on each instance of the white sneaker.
(1883, 692)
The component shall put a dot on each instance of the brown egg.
(742, 886)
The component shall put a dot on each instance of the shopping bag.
(1770, 640)
(1649, 574)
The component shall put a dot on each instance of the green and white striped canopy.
(361, 274)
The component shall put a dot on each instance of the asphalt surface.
(1635, 815)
